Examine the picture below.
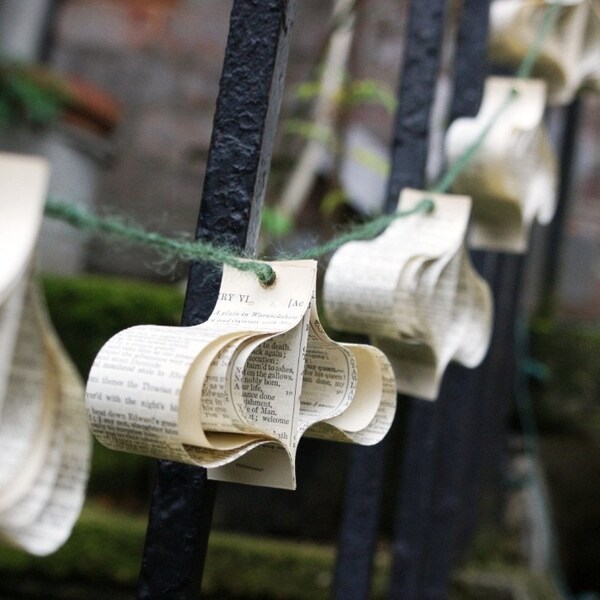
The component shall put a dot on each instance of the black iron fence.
(448, 444)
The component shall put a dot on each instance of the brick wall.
(162, 61)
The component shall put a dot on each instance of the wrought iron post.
(238, 164)
(408, 160)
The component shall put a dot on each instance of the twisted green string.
(177, 248)
(205, 251)
(365, 231)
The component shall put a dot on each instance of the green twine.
(471, 150)
(205, 251)
(180, 248)
(365, 231)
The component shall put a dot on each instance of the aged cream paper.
(236, 393)
(589, 63)
(23, 186)
(414, 291)
(44, 441)
(41, 502)
(562, 63)
(10, 320)
(29, 413)
(513, 176)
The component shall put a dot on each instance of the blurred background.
(143, 77)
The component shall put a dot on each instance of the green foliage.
(310, 131)
(87, 311)
(104, 553)
(106, 547)
(120, 478)
(256, 562)
(308, 90)
(369, 91)
(507, 584)
(354, 92)
(332, 201)
(569, 397)
(274, 223)
(372, 161)
(27, 96)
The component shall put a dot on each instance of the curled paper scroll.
(589, 65)
(513, 177)
(569, 53)
(236, 393)
(44, 442)
(414, 291)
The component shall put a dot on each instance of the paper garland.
(414, 292)
(236, 393)
(513, 177)
(44, 442)
(570, 54)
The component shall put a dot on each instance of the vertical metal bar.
(487, 264)
(491, 390)
(461, 417)
(503, 376)
(485, 445)
(414, 498)
(360, 520)
(455, 415)
(470, 64)
(457, 402)
(416, 94)
(23, 28)
(409, 156)
(494, 450)
(47, 40)
(568, 152)
(238, 163)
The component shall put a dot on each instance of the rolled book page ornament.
(235, 394)
(589, 64)
(564, 58)
(512, 178)
(415, 293)
(45, 444)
